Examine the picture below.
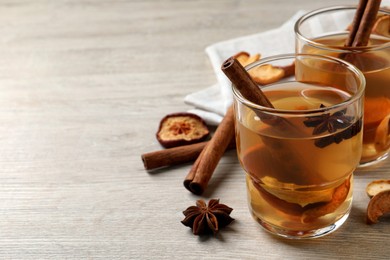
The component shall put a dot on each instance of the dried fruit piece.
(375, 109)
(377, 186)
(382, 135)
(209, 218)
(282, 205)
(290, 192)
(245, 58)
(338, 198)
(382, 26)
(180, 129)
(378, 206)
(320, 206)
(266, 74)
(301, 107)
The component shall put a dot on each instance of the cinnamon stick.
(363, 23)
(356, 22)
(250, 90)
(172, 156)
(244, 82)
(175, 156)
(200, 174)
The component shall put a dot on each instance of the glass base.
(372, 162)
(292, 234)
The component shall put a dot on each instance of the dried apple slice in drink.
(375, 109)
(382, 135)
(310, 212)
(338, 198)
(290, 192)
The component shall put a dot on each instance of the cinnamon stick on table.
(197, 179)
(174, 156)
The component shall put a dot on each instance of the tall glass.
(324, 32)
(300, 155)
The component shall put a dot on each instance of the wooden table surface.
(83, 86)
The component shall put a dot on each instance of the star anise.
(209, 218)
(329, 122)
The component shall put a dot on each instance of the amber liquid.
(293, 184)
(375, 66)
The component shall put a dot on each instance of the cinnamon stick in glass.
(363, 22)
(244, 82)
(250, 90)
(356, 22)
(200, 174)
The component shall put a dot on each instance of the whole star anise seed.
(209, 218)
(331, 123)
(328, 122)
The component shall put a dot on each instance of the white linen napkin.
(211, 103)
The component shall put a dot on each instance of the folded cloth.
(212, 103)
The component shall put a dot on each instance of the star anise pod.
(329, 122)
(209, 218)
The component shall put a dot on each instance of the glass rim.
(354, 97)
(341, 49)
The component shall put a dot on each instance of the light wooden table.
(83, 85)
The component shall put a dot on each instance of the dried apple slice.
(266, 74)
(338, 198)
(290, 192)
(375, 109)
(382, 135)
(180, 129)
(377, 186)
(245, 58)
(378, 206)
(382, 26)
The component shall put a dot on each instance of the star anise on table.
(204, 219)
